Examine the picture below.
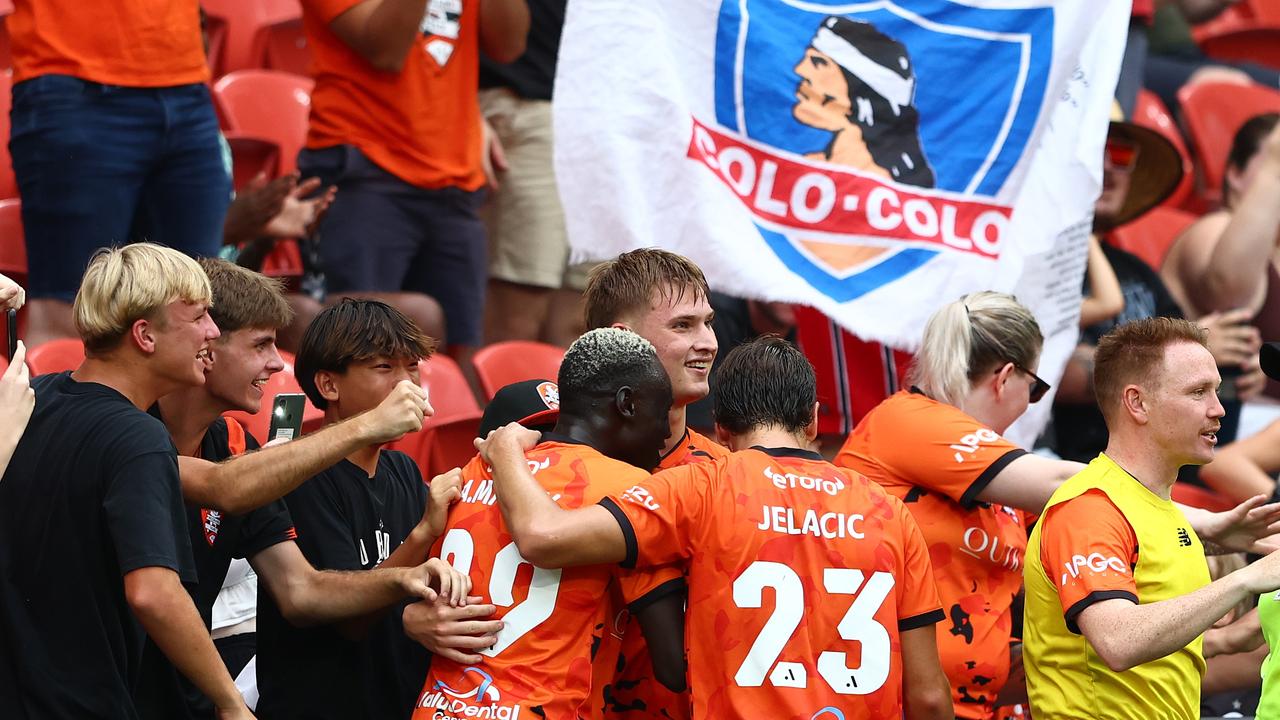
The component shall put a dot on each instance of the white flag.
(871, 159)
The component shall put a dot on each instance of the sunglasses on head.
(1121, 154)
(1038, 388)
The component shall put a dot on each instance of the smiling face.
(679, 326)
(365, 384)
(243, 361)
(822, 97)
(1183, 407)
(183, 333)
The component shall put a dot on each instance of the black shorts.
(385, 235)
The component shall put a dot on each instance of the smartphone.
(13, 331)
(286, 416)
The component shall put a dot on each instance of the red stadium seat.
(240, 27)
(451, 444)
(503, 363)
(1196, 496)
(55, 356)
(450, 393)
(283, 47)
(282, 382)
(251, 156)
(1151, 113)
(1151, 235)
(1213, 112)
(8, 184)
(266, 105)
(13, 246)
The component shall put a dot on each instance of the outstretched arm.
(546, 534)
(247, 482)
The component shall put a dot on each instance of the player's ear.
(811, 430)
(625, 401)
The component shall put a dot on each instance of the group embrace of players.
(599, 558)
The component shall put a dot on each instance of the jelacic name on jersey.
(1095, 562)
(829, 525)
(783, 481)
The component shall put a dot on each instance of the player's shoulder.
(704, 448)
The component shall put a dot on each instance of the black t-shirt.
(1080, 431)
(532, 75)
(216, 539)
(346, 520)
(91, 493)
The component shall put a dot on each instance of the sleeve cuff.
(670, 587)
(628, 532)
(917, 621)
(1095, 597)
(970, 496)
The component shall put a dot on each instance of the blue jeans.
(100, 165)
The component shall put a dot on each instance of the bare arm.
(1241, 636)
(1126, 635)
(504, 27)
(247, 482)
(381, 31)
(1105, 299)
(1027, 482)
(926, 694)
(1236, 257)
(662, 622)
(165, 611)
(17, 400)
(307, 596)
(546, 534)
(1242, 469)
(1076, 385)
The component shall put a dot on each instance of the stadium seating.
(503, 363)
(250, 157)
(1150, 112)
(8, 184)
(1213, 112)
(282, 382)
(283, 47)
(1151, 235)
(238, 30)
(55, 356)
(266, 105)
(450, 394)
(13, 247)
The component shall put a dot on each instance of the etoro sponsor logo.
(1095, 562)
(480, 701)
(783, 481)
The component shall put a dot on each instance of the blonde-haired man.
(93, 544)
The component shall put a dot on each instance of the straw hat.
(1157, 172)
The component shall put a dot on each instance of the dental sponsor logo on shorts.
(482, 701)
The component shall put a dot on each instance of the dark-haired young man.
(844, 563)
(664, 298)
(367, 511)
(614, 404)
(249, 309)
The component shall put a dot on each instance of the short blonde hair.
(972, 336)
(125, 284)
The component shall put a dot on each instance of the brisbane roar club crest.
(870, 139)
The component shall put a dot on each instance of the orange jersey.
(629, 689)
(801, 578)
(134, 43)
(937, 459)
(421, 124)
(540, 665)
